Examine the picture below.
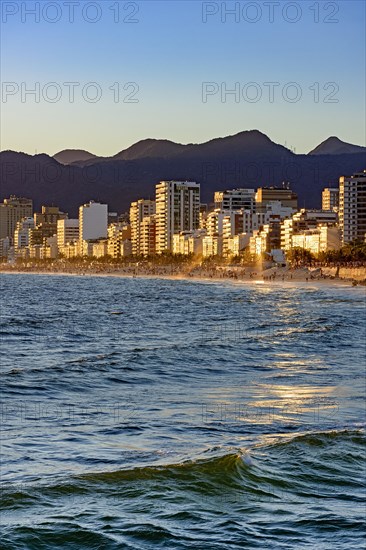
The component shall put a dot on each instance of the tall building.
(45, 224)
(67, 232)
(330, 198)
(21, 234)
(235, 199)
(12, 211)
(352, 207)
(177, 209)
(266, 195)
(49, 215)
(139, 210)
(119, 240)
(147, 245)
(93, 221)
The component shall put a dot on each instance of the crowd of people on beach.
(171, 270)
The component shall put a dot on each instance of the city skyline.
(241, 223)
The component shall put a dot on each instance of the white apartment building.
(188, 242)
(100, 248)
(273, 211)
(237, 244)
(352, 207)
(318, 240)
(302, 221)
(93, 222)
(139, 210)
(177, 209)
(211, 246)
(67, 232)
(258, 243)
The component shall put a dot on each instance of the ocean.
(142, 413)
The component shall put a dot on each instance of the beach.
(343, 276)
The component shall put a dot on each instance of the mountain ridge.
(248, 159)
(164, 148)
(334, 146)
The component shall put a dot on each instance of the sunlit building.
(188, 242)
(352, 207)
(237, 243)
(177, 209)
(318, 240)
(45, 224)
(93, 224)
(302, 221)
(140, 210)
(211, 246)
(235, 199)
(21, 234)
(67, 232)
(265, 195)
(330, 198)
(12, 211)
(147, 236)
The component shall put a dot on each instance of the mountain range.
(248, 159)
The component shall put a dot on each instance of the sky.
(107, 74)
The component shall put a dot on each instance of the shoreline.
(297, 276)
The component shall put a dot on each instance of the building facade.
(67, 232)
(352, 207)
(235, 199)
(265, 195)
(21, 234)
(139, 210)
(330, 198)
(93, 223)
(12, 211)
(177, 209)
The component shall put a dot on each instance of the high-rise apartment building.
(235, 199)
(93, 221)
(139, 210)
(45, 224)
(21, 234)
(67, 232)
(330, 198)
(12, 211)
(352, 207)
(177, 209)
(148, 236)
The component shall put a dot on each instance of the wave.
(251, 470)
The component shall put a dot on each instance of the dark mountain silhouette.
(248, 159)
(150, 148)
(334, 146)
(245, 142)
(68, 156)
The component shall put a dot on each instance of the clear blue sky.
(169, 52)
